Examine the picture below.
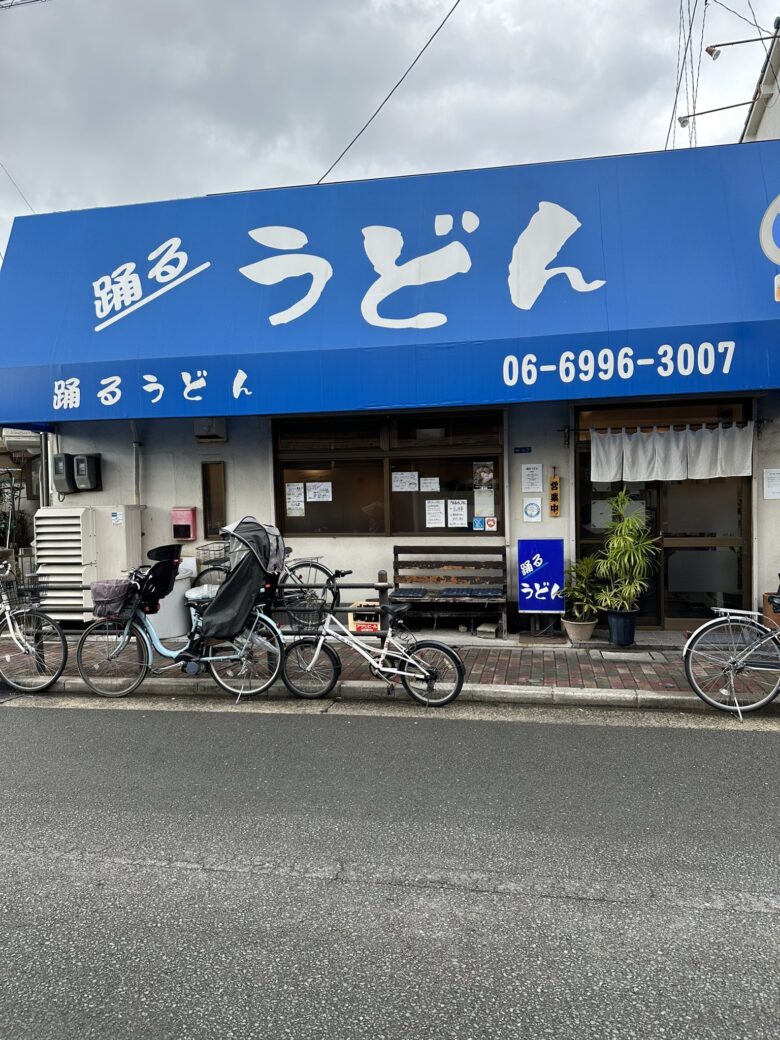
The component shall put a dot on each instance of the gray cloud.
(114, 102)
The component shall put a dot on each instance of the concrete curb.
(564, 696)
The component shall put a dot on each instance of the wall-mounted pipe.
(43, 476)
(136, 463)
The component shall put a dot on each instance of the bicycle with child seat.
(304, 582)
(732, 662)
(430, 671)
(115, 654)
(33, 648)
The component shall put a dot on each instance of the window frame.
(207, 508)
(387, 454)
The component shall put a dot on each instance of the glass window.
(335, 497)
(214, 498)
(697, 579)
(422, 472)
(338, 434)
(445, 484)
(433, 429)
(704, 508)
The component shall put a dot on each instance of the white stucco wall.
(170, 474)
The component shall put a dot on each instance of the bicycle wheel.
(111, 663)
(305, 680)
(33, 651)
(443, 678)
(725, 673)
(211, 576)
(250, 663)
(305, 606)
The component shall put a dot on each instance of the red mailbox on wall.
(183, 523)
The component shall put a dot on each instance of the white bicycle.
(733, 661)
(430, 671)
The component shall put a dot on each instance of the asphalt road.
(198, 875)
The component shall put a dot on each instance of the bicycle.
(430, 671)
(732, 662)
(115, 654)
(303, 584)
(33, 648)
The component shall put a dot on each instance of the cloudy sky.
(111, 102)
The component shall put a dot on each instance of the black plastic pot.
(622, 626)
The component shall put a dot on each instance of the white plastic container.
(173, 618)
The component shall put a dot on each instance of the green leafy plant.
(581, 589)
(626, 561)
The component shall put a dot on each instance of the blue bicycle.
(116, 653)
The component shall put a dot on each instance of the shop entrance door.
(703, 526)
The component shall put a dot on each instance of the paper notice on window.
(483, 474)
(293, 494)
(484, 502)
(429, 483)
(457, 512)
(319, 491)
(532, 477)
(403, 481)
(434, 512)
(771, 483)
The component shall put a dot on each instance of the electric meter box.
(86, 469)
(183, 523)
(63, 476)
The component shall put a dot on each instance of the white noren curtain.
(702, 453)
(606, 457)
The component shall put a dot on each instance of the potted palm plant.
(624, 565)
(580, 592)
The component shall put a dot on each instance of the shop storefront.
(379, 363)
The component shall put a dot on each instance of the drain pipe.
(136, 463)
(43, 476)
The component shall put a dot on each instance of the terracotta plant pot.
(578, 631)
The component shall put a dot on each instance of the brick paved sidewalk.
(558, 666)
(513, 665)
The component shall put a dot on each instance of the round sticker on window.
(532, 510)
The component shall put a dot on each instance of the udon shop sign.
(628, 276)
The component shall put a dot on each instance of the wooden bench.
(436, 579)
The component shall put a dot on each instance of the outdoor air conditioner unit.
(66, 551)
(21, 440)
(210, 431)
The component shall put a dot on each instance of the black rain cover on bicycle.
(256, 560)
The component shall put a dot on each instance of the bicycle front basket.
(10, 590)
(31, 589)
(115, 600)
(212, 553)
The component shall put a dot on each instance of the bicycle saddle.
(396, 612)
(774, 602)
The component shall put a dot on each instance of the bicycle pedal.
(390, 690)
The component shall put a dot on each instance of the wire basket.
(27, 591)
(212, 552)
(302, 613)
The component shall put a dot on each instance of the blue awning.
(604, 278)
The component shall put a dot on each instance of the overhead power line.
(387, 98)
(682, 72)
(738, 15)
(10, 178)
(6, 5)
